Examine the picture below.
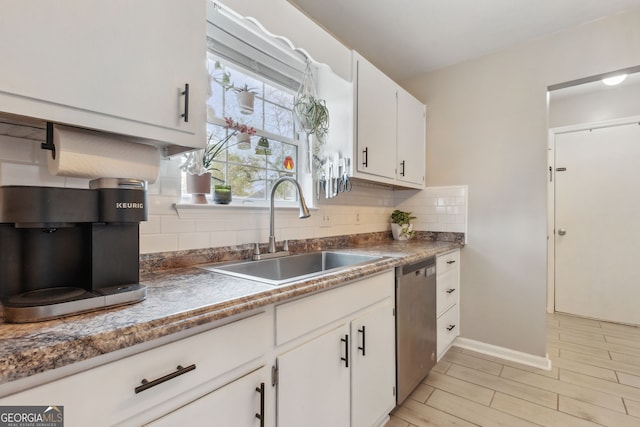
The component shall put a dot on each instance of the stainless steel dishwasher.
(415, 324)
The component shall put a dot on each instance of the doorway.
(596, 180)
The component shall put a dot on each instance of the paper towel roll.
(86, 154)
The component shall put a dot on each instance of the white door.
(597, 227)
(374, 364)
(313, 384)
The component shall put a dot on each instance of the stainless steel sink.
(278, 271)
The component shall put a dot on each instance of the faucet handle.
(285, 245)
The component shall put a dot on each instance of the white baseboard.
(504, 353)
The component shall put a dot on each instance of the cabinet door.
(376, 121)
(115, 65)
(373, 370)
(411, 139)
(313, 385)
(235, 404)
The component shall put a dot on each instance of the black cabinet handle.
(365, 152)
(451, 327)
(451, 290)
(402, 164)
(345, 340)
(260, 415)
(186, 103)
(364, 346)
(148, 384)
(451, 262)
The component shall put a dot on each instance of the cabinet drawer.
(447, 262)
(213, 352)
(297, 318)
(448, 328)
(448, 290)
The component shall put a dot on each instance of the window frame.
(296, 141)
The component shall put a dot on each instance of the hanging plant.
(310, 112)
(246, 98)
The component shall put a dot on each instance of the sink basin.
(278, 271)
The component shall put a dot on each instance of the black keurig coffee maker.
(65, 250)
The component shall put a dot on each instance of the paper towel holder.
(48, 144)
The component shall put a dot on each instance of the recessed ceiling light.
(614, 80)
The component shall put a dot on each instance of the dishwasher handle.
(425, 267)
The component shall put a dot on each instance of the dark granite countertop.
(177, 300)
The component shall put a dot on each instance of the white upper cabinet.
(116, 66)
(411, 139)
(375, 121)
(389, 129)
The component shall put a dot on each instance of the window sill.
(193, 211)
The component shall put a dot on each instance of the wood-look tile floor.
(594, 381)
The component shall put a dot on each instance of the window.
(273, 73)
(251, 168)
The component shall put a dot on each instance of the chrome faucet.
(304, 210)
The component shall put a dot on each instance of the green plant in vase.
(401, 226)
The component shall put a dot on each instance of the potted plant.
(220, 75)
(246, 95)
(310, 112)
(246, 98)
(312, 115)
(401, 226)
(198, 164)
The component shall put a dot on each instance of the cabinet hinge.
(394, 390)
(275, 374)
(393, 312)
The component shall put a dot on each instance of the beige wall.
(487, 127)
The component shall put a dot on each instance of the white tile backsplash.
(436, 208)
(366, 209)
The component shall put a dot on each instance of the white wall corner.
(504, 353)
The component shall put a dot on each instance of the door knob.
(562, 232)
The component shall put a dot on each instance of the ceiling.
(405, 38)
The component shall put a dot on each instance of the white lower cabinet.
(329, 361)
(313, 382)
(110, 394)
(373, 374)
(339, 369)
(240, 404)
(447, 300)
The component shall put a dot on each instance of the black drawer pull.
(450, 328)
(450, 290)
(365, 153)
(402, 164)
(364, 346)
(451, 262)
(345, 340)
(186, 103)
(260, 415)
(146, 384)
